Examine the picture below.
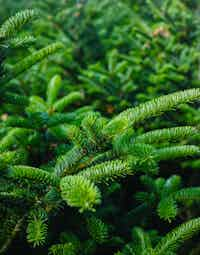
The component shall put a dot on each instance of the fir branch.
(13, 234)
(108, 171)
(173, 240)
(166, 134)
(60, 118)
(14, 23)
(31, 60)
(97, 229)
(12, 158)
(53, 89)
(60, 104)
(32, 173)
(149, 109)
(65, 163)
(58, 249)
(37, 228)
(21, 41)
(12, 138)
(16, 99)
(141, 240)
(167, 208)
(178, 151)
(187, 194)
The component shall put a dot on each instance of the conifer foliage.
(98, 153)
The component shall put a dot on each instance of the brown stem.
(16, 229)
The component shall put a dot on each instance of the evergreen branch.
(141, 240)
(14, 23)
(60, 118)
(75, 116)
(36, 105)
(29, 61)
(172, 241)
(105, 156)
(167, 208)
(37, 228)
(53, 200)
(166, 134)
(192, 193)
(109, 170)
(17, 194)
(97, 229)
(12, 158)
(13, 234)
(12, 136)
(65, 163)
(172, 184)
(16, 99)
(35, 57)
(135, 149)
(53, 89)
(18, 122)
(67, 100)
(174, 152)
(32, 173)
(21, 41)
(66, 248)
(149, 109)
(70, 237)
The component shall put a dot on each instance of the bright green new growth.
(80, 192)
(37, 228)
(149, 109)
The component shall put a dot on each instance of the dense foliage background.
(69, 70)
